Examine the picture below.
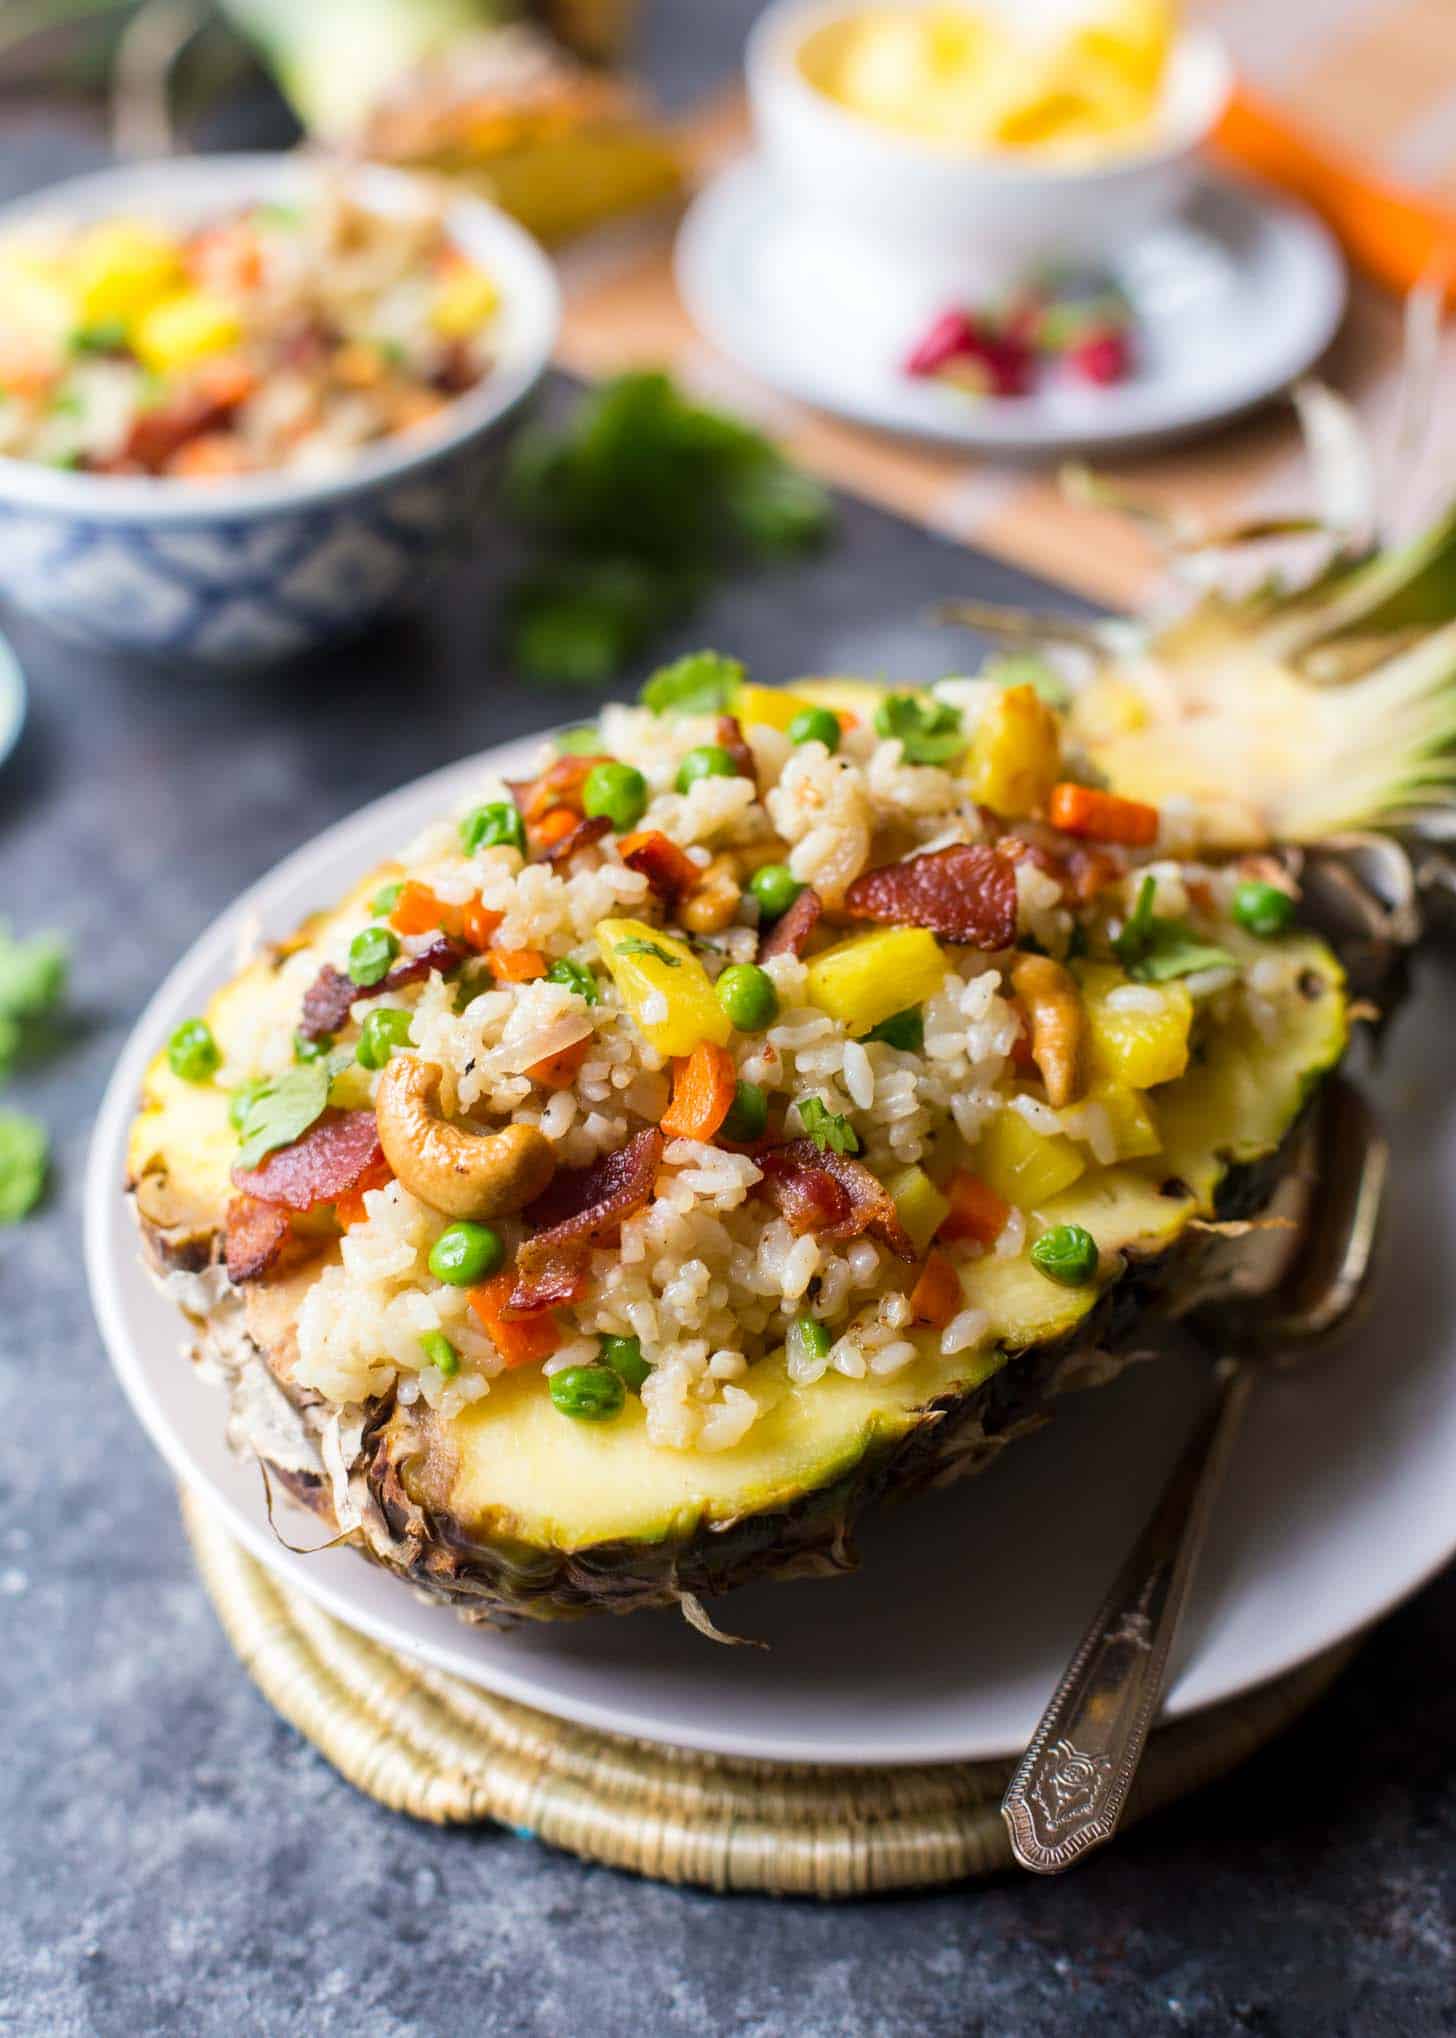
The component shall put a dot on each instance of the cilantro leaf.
(702, 683)
(1154, 950)
(635, 945)
(283, 1110)
(905, 1030)
(829, 1130)
(24, 1164)
(929, 731)
(576, 977)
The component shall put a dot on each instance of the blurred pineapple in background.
(508, 104)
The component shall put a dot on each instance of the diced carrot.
(553, 825)
(936, 1296)
(478, 924)
(516, 965)
(669, 870)
(520, 1340)
(704, 1084)
(212, 456)
(976, 1211)
(557, 1070)
(227, 381)
(418, 911)
(847, 719)
(1103, 817)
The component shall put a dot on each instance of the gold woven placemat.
(427, 1744)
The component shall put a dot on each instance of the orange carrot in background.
(976, 1211)
(1398, 236)
(417, 910)
(557, 1070)
(553, 825)
(516, 965)
(478, 924)
(936, 1296)
(703, 1087)
(1104, 817)
(521, 1340)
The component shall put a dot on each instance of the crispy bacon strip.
(864, 1203)
(732, 739)
(561, 1279)
(966, 893)
(330, 1159)
(254, 1235)
(583, 1207)
(669, 870)
(789, 934)
(559, 785)
(582, 836)
(330, 997)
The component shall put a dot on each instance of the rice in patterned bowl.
(683, 1127)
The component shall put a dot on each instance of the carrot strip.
(555, 823)
(936, 1296)
(556, 1071)
(516, 965)
(1104, 817)
(478, 924)
(703, 1087)
(976, 1211)
(521, 1340)
(1397, 235)
(418, 911)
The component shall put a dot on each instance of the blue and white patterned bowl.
(243, 572)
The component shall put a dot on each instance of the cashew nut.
(1054, 1009)
(459, 1173)
(713, 900)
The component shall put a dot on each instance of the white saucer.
(945, 1646)
(1233, 301)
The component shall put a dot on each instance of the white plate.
(944, 1647)
(1233, 302)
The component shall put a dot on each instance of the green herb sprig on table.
(32, 988)
(639, 502)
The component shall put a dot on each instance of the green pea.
(588, 1393)
(241, 1100)
(816, 725)
(617, 791)
(441, 1354)
(193, 1053)
(747, 995)
(306, 1048)
(1263, 910)
(576, 977)
(465, 1253)
(747, 1115)
(386, 1028)
(386, 899)
(489, 826)
(813, 1336)
(902, 1029)
(624, 1356)
(370, 955)
(1066, 1254)
(709, 760)
(776, 888)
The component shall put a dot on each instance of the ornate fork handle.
(1071, 1785)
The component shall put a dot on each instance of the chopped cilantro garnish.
(1154, 950)
(904, 1030)
(32, 984)
(577, 977)
(829, 1131)
(703, 683)
(24, 1162)
(929, 731)
(283, 1111)
(634, 945)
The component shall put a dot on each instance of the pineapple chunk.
(1015, 756)
(1132, 1123)
(1137, 1046)
(771, 707)
(1023, 1166)
(919, 1205)
(121, 269)
(466, 299)
(871, 976)
(184, 329)
(663, 986)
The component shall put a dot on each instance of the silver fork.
(1071, 1786)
